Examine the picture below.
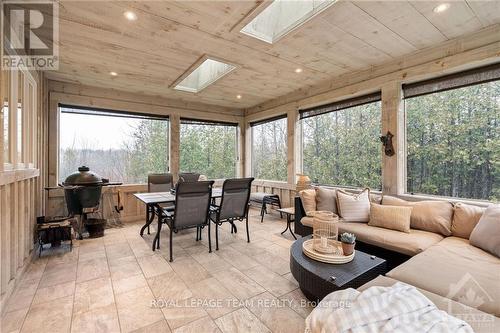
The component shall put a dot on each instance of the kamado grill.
(82, 192)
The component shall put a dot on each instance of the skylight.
(204, 75)
(282, 16)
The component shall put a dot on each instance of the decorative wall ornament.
(387, 142)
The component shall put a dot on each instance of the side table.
(289, 212)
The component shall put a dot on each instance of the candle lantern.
(325, 232)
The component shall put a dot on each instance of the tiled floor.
(116, 283)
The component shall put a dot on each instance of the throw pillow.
(433, 216)
(486, 234)
(390, 217)
(354, 207)
(308, 198)
(465, 218)
(326, 199)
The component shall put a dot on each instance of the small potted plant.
(348, 241)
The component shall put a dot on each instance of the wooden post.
(291, 122)
(248, 149)
(393, 120)
(175, 136)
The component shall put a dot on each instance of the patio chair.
(188, 177)
(233, 205)
(192, 205)
(159, 182)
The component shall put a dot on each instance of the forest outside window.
(119, 146)
(340, 143)
(5, 86)
(453, 130)
(209, 148)
(269, 149)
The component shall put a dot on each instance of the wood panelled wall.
(22, 148)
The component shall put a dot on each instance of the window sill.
(420, 197)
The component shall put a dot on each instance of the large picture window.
(453, 145)
(119, 146)
(340, 143)
(269, 149)
(209, 148)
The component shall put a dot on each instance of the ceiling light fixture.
(298, 70)
(441, 8)
(113, 73)
(129, 15)
(238, 96)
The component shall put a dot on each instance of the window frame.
(255, 123)
(112, 112)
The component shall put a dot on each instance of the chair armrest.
(299, 228)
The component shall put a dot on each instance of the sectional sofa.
(437, 258)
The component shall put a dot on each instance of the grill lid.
(84, 177)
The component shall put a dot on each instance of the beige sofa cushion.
(486, 234)
(326, 199)
(433, 216)
(410, 243)
(307, 221)
(308, 198)
(390, 217)
(465, 218)
(452, 268)
(480, 322)
(354, 207)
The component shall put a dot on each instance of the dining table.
(155, 201)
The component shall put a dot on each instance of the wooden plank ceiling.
(169, 36)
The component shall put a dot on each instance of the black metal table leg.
(289, 224)
(149, 219)
(156, 240)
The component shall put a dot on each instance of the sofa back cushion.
(433, 216)
(326, 199)
(465, 218)
(486, 234)
(354, 207)
(390, 217)
(308, 198)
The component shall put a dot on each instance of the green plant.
(347, 238)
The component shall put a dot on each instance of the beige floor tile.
(129, 283)
(93, 294)
(247, 249)
(124, 267)
(35, 269)
(58, 274)
(290, 277)
(205, 325)
(118, 250)
(135, 309)
(189, 270)
(211, 262)
(274, 283)
(238, 283)
(140, 247)
(54, 316)
(298, 302)
(217, 300)
(154, 265)
(280, 251)
(169, 286)
(64, 257)
(237, 259)
(275, 314)
(99, 253)
(241, 321)
(102, 320)
(53, 292)
(92, 269)
(160, 327)
(182, 312)
(273, 262)
(12, 321)
(23, 295)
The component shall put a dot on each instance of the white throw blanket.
(399, 308)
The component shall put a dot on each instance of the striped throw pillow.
(354, 207)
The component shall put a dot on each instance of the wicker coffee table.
(317, 279)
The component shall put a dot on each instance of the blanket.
(399, 308)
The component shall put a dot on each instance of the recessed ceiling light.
(113, 73)
(298, 70)
(441, 8)
(238, 96)
(283, 16)
(129, 15)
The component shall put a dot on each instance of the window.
(204, 75)
(6, 115)
(341, 145)
(269, 149)
(19, 121)
(282, 16)
(453, 135)
(209, 148)
(118, 146)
